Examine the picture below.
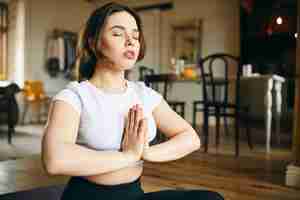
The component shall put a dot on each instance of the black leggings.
(80, 188)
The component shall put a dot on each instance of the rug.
(25, 142)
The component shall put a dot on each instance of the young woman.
(99, 129)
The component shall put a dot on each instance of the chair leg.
(248, 132)
(205, 130)
(237, 136)
(183, 110)
(10, 127)
(249, 137)
(40, 104)
(194, 116)
(217, 127)
(226, 128)
(26, 105)
(11, 130)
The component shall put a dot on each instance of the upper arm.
(168, 121)
(64, 116)
(61, 127)
(63, 123)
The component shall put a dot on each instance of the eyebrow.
(123, 28)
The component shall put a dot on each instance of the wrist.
(131, 157)
(146, 153)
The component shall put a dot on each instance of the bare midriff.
(124, 175)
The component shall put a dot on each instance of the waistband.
(81, 180)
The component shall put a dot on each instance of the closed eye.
(117, 34)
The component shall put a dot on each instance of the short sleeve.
(151, 97)
(69, 96)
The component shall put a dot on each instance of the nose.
(129, 41)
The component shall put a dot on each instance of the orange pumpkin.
(189, 73)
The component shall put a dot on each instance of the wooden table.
(263, 89)
(267, 87)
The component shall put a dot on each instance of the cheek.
(109, 49)
(103, 44)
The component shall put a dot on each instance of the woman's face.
(120, 40)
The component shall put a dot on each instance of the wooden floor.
(252, 176)
(236, 178)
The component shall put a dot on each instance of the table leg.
(268, 113)
(278, 96)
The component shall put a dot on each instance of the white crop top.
(102, 115)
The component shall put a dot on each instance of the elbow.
(51, 164)
(51, 167)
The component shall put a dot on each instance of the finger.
(131, 119)
(125, 136)
(137, 119)
(127, 121)
(127, 129)
(146, 132)
(142, 128)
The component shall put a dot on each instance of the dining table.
(256, 91)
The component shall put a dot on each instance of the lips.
(129, 55)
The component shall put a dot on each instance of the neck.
(109, 80)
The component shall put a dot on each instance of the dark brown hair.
(87, 54)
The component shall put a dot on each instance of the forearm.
(74, 160)
(174, 148)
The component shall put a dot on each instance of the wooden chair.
(143, 71)
(216, 77)
(153, 80)
(165, 80)
(146, 71)
(156, 80)
(34, 95)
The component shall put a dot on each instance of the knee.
(205, 195)
(214, 196)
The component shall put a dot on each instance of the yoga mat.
(45, 193)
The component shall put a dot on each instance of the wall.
(12, 11)
(41, 18)
(221, 25)
(221, 33)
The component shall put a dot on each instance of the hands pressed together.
(135, 141)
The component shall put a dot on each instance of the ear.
(91, 43)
